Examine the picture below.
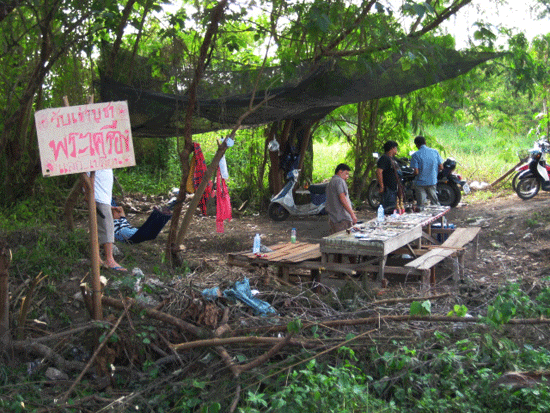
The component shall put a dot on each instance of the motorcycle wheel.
(373, 195)
(448, 194)
(276, 212)
(515, 181)
(527, 188)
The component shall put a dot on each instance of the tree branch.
(342, 36)
(448, 12)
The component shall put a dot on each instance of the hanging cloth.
(200, 171)
(223, 168)
(223, 203)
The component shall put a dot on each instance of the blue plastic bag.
(241, 291)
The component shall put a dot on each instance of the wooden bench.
(454, 245)
(299, 256)
(284, 256)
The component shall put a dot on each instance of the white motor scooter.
(282, 204)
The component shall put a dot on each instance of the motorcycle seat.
(318, 188)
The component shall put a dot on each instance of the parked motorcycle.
(524, 157)
(449, 184)
(448, 179)
(282, 204)
(528, 182)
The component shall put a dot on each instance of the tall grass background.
(483, 154)
(326, 157)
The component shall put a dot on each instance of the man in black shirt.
(386, 174)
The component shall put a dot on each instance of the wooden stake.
(507, 173)
(94, 244)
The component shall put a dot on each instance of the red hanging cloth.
(223, 203)
(200, 171)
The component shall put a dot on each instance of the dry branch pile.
(177, 331)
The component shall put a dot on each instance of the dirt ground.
(514, 241)
(514, 245)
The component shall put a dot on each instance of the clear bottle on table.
(256, 245)
(293, 235)
(380, 214)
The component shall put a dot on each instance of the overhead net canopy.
(310, 93)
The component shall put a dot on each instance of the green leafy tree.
(365, 33)
(44, 48)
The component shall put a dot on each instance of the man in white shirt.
(103, 194)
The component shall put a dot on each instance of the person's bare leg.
(109, 259)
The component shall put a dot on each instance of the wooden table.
(287, 256)
(369, 246)
(284, 256)
(372, 242)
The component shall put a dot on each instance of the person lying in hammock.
(125, 232)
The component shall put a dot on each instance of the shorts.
(105, 224)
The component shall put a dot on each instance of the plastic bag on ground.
(241, 291)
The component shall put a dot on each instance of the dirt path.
(514, 241)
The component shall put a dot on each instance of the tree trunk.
(172, 247)
(5, 259)
(305, 134)
(172, 250)
(70, 203)
(364, 145)
(120, 31)
(276, 175)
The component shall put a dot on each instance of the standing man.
(103, 194)
(338, 205)
(426, 163)
(387, 176)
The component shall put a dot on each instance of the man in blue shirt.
(426, 163)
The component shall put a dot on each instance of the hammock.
(150, 228)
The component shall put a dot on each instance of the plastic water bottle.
(380, 214)
(256, 245)
(138, 274)
(293, 235)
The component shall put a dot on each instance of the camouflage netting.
(310, 94)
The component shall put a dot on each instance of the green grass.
(148, 180)
(326, 157)
(482, 154)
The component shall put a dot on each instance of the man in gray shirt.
(338, 205)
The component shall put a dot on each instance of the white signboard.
(84, 138)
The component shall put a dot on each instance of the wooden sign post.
(80, 139)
